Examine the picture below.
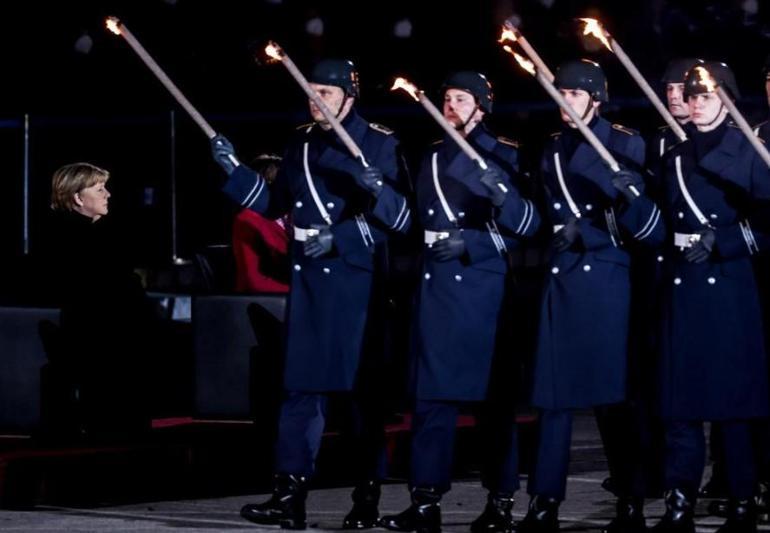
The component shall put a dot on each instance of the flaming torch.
(419, 96)
(277, 53)
(707, 80)
(594, 28)
(511, 33)
(589, 135)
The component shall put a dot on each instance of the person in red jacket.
(260, 245)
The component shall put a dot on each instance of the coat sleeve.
(250, 189)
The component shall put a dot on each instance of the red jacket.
(260, 246)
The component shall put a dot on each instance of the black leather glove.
(566, 236)
(370, 179)
(701, 250)
(320, 244)
(223, 152)
(623, 181)
(453, 247)
(493, 183)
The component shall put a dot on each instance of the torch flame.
(593, 27)
(705, 79)
(274, 51)
(113, 24)
(403, 83)
(524, 63)
(508, 34)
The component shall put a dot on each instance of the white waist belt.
(686, 240)
(433, 236)
(557, 227)
(302, 234)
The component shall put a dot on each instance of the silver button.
(556, 205)
(660, 259)
(589, 207)
(326, 270)
(713, 216)
(555, 270)
(297, 268)
(586, 268)
(427, 275)
(711, 280)
(677, 281)
(461, 214)
(430, 212)
(330, 205)
(458, 277)
(680, 214)
(298, 204)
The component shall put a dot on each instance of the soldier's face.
(333, 97)
(706, 110)
(460, 108)
(676, 104)
(581, 102)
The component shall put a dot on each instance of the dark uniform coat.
(330, 295)
(459, 301)
(713, 360)
(582, 341)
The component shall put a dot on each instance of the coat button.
(326, 270)
(677, 281)
(680, 214)
(556, 205)
(713, 216)
(712, 280)
(660, 259)
(555, 270)
(458, 277)
(297, 268)
(427, 275)
(430, 212)
(589, 207)
(461, 214)
(586, 268)
(330, 205)
(298, 204)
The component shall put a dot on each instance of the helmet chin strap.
(462, 126)
(342, 105)
(719, 113)
(588, 108)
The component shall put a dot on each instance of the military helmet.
(337, 72)
(677, 69)
(721, 74)
(474, 83)
(583, 74)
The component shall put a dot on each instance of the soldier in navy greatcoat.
(342, 213)
(713, 365)
(581, 356)
(471, 219)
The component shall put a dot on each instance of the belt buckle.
(312, 232)
(441, 235)
(693, 239)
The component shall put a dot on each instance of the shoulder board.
(437, 142)
(380, 128)
(307, 127)
(556, 134)
(625, 130)
(509, 142)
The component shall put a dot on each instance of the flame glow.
(403, 83)
(593, 27)
(524, 63)
(507, 34)
(705, 79)
(274, 51)
(113, 24)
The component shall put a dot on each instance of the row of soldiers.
(687, 216)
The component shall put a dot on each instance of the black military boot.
(364, 514)
(496, 517)
(423, 516)
(629, 517)
(542, 516)
(741, 517)
(679, 514)
(286, 507)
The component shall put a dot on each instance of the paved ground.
(587, 507)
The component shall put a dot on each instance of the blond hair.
(70, 180)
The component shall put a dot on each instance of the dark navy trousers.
(686, 455)
(433, 436)
(301, 425)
